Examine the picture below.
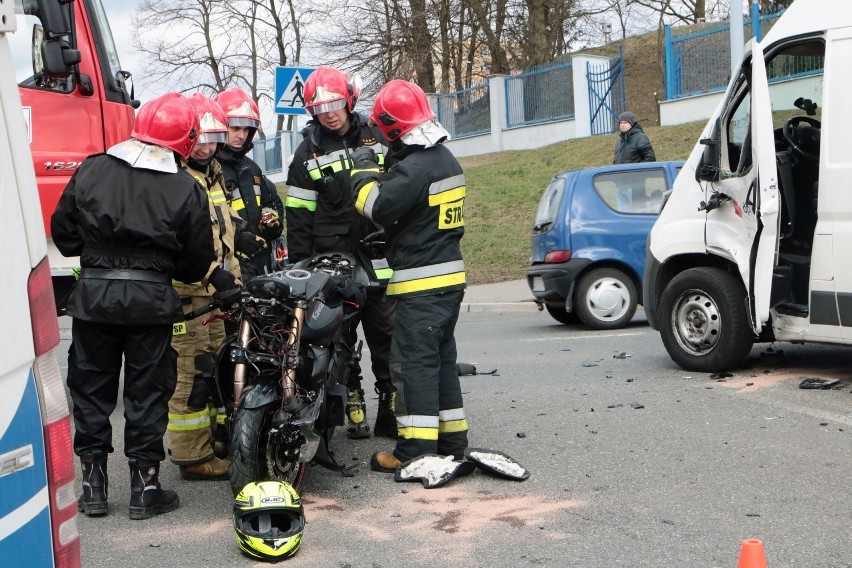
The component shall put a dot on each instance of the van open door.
(765, 251)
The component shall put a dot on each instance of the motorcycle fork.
(240, 368)
(288, 379)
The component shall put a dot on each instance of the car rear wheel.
(704, 322)
(557, 312)
(605, 299)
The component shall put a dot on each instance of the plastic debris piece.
(521, 435)
(589, 364)
(817, 383)
(722, 375)
(497, 463)
(622, 355)
(636, 405)
(432, 470)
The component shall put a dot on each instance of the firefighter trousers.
(195, 408)
(429, 408)
(94, 368)
(377, 320)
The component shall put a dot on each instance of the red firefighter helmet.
(168, 121)
(328, 89)
(211, 117)
(399, 107)
(240, 109)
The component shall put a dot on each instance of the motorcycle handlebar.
(225, 300)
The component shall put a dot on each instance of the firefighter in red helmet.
(197, 400)
(250, 192)
(321, 217)
(137, 221)
(420, 202)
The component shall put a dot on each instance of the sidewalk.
(511, 296)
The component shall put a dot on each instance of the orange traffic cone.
(751, 554)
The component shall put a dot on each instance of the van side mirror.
(57, 58)
(709, 167)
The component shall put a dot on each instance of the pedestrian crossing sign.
(290, 89)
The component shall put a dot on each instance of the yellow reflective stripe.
(296, 203)
(336, 163)
(362, 197)
(384, 273)
(360, 170)
(238, 204)
(413, 433)
(447, 196)
(217, 196)
(189, 421)
(430, 283)
(453, 426)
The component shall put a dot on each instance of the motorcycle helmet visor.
(329, 106)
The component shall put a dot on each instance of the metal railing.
(540, 95)
(272, 153)
(466, 112)
(699, 63)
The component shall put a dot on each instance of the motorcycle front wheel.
(249, 449)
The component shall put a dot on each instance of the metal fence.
(541, 94)
(272, 153)
(700, 62)
(466, 112)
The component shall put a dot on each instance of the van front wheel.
(704, 323)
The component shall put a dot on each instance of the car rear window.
(633, 191)
(548, 206)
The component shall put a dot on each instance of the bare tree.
(187, 43)
(686, 11)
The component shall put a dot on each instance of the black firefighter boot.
(385, 418)
(93, 501)
(146, 497)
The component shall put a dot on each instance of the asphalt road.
(635, 463)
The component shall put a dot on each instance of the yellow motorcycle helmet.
(268, 520)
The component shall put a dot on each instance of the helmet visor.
(243, 121)
(329, 106)
(217, 137)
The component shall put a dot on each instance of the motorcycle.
(283, 376)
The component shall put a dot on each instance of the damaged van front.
(748, 246)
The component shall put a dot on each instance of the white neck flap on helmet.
(145, 156)
(428, 134)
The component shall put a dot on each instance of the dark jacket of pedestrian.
(633, 145)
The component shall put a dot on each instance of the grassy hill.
(503, 190)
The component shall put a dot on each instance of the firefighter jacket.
(319, 205)
(420, 203)
(248, 190)
(134, 230)
(225, 224)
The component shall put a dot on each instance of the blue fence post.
(669, 63)
(755, 21)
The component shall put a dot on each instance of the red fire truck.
(76, 100)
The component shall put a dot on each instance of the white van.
(751, 243)
(38, 509)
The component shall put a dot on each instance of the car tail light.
(57, 422)
(557, 256)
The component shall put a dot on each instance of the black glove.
(222, 280)
(269, 227)
(249, 244)
(364, 156)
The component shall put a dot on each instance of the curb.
(514, 307)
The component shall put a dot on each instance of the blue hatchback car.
(588, 243)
